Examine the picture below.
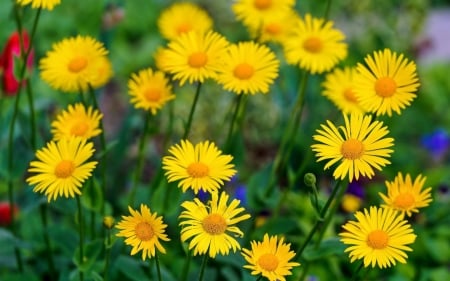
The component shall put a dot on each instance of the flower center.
(268, 262)
(144, 231)
(404, 200)
(214, 224)
(385, 87)
(243, 71)
(349, 95)
(183, 27)
(152, 94)
(273, 28)
(352, 149)
(377, 239)
(77, 64)
(262, 4)
(64, 169)
(79, 129)
(198, 170)
(197, 59)
(313, 45)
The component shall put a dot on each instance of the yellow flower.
(149, 90)
(388, 83)
(143, 231)
(194, 56)
(406, 196)
(77, 121)
(351, 203)
(276, 27)
(44, 4)
(209, 225)
(61, 168)
(254, 12)
(339, 89)
(270, 258)
(362, 147)
(200, 167)
(315, 45)
(248, 68)
(181, 18)
(76, 63)
(379, 237)
(108, 222)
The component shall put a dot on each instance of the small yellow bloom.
(36, 4)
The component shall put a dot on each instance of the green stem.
(327, 10)
(158, 269)
(186, 266)
(202, 269)
(305, 267)
(187, 128)
(238, 101)
(259, 278)
(141, 158)
(103, 159)
(290, 131)
(49, 253)
(319, 221)
(107, 254)
(81, 233)
(355, 275)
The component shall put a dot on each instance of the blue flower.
(436, 143)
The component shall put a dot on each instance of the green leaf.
(20, 277)
(131, 268)
(328, 247)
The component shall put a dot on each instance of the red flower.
(5, 213)
(11, 51)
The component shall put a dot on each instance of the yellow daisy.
(75, 63)
(315, 45)
(143, 231)
(77, 121)
(379, 237)
(351, 203)
(270, 258)
(209, 225)
(339, 89)
(195, 56)
(200, 167)
(276, 27)
(360, 147)
(181, 18)
(61, 168)
(248, 67)
(388, 83)
(44, 4)
(149, 90)
(254, 12)
(406, 196)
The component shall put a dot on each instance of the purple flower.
(436, 143)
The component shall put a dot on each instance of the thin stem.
(202, 269)
(259, 278)
(327, 10)
(305, 267)
(238, 101)
(186, 266)
(141, 157)
(81, 233)
(286, 141)
(107, 254)
(191, 114)
(49, 254)
(355, 275)
(158, 269)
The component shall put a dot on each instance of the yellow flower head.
(149, 90)
(77, 121)
(315, 45)
(360, 147)
(143, 231)
(194, 56)
(76, 63)
(379, 237)
(36, 4)
(210, 225)
(276, 27)
(339, 88)
(270, 258)
(388, 83)
(254, 12)
(198, 167)
(61, 168)
(406, 196)
(351, 203)
(248, 67)
(182, 18)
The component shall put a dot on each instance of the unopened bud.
(310, 180)
(108, 222)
